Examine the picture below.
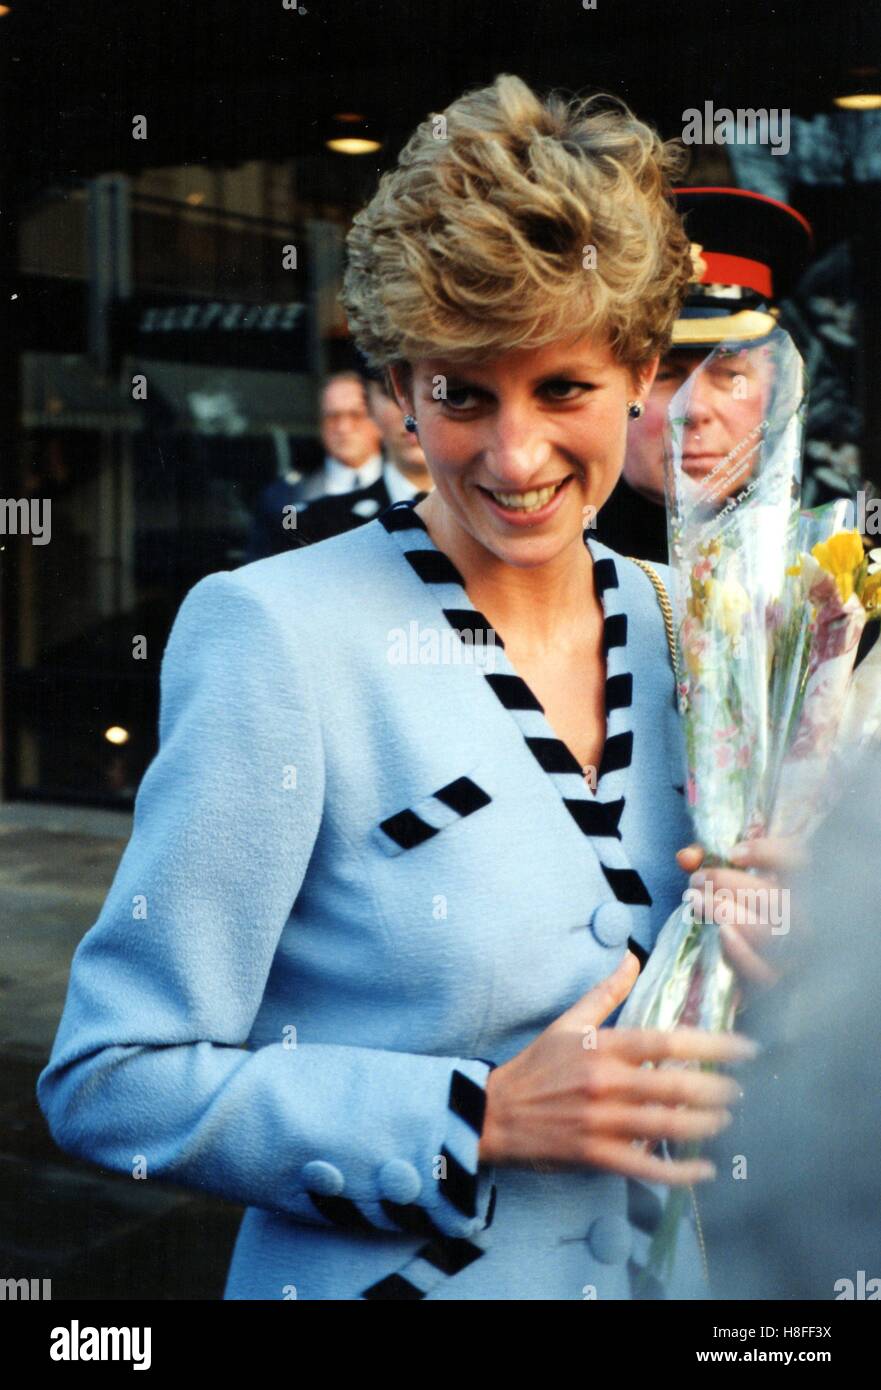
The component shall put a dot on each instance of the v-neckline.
(596, 812)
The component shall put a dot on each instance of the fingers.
(617, 1120)
(690, 858)
(622, 1157)
(744, 959)
(669, 1086)
(595, 1006)
(770, 853)
(680, 1044)
(732, 878)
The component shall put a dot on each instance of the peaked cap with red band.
(753, 250)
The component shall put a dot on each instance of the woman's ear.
(644, 378)
(400, 379)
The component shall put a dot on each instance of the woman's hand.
(751, 908)
(580, 1096)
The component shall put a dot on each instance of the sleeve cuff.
(466, 1187)
(446, 1193)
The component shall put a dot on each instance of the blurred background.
(177, 183)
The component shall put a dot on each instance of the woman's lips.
(517, 517)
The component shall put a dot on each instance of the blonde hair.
(481, 239)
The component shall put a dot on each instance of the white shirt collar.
(399, 488)
(340, 478)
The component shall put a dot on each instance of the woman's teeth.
(527, 501)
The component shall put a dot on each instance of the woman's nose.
(517, 451)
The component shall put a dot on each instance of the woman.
(354, 964)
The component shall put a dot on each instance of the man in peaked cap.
(749, 252)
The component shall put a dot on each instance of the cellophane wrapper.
(733, 528)
(733, 531)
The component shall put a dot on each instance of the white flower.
(875, 558)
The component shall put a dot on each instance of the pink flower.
(744, 754)
(724, 756)
(774, 615)
(838, 632)
(726, 733)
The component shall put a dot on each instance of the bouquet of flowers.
(769, 604)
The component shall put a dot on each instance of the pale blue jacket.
(362, 872)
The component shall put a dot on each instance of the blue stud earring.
(634, 409)
(410, 423)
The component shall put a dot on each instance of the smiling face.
(524, 442)
(727, 401)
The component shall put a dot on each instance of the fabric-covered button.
(611, 924)
(399, 1181)
(322, 1178)
(610, 1239)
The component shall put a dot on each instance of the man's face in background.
(725, 404)
(348, 432)
(401, 447)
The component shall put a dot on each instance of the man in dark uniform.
(749, 252)
(404, 474)
(352, 461)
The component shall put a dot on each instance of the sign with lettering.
(228, 333)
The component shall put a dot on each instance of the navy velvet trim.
(433, 567)
(595, 818)
(463, 796)
(400, 516)
(407, 829)
(552, 755)
(627, 886)
(467, 1100)
(393, 1286)
(459, 1186)
(513, 691)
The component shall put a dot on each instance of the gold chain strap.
(666, 608)
(667, 611)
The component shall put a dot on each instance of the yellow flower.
(728, 602)
(871, 594)
(841, 556)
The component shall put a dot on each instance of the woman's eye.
(450, 398)
(561, 387)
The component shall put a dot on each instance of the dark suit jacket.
(331, 516)
(325, 517)
(632, 525)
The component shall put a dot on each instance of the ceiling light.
(859, 101)
(353, 144)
